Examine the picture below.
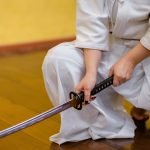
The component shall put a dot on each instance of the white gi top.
(104, 117)
(131, 21)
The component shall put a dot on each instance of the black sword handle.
(99, 87)
(102, 85)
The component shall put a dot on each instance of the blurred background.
(28, 28)
(23, 21)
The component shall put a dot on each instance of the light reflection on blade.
(47, 114)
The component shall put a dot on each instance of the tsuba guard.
(79, 99)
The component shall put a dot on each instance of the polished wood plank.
(21, 141)
(13, 114)
(21, 77)
(140, 142)
(22, 81)
(87, 144)
(22, 95)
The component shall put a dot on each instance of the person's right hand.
(86, 85)
(92, 59)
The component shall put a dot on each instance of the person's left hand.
(122, 71)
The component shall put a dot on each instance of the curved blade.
(71, 103)
(37, 118)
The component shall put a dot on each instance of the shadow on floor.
(140, 142)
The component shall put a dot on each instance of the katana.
(76, 100)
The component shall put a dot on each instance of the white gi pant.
(105, 117)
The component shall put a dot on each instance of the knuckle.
(87, 88)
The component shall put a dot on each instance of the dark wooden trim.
(31, 46)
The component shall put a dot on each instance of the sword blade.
(38, 118)
(71, 103)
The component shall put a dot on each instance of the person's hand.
(122, 71)
(86, 85)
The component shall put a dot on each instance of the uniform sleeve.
(145, 41)
(92, 26)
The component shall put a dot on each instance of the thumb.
(111, 71)
(78, 89)
(87, 95)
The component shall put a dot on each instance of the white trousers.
(105, 117)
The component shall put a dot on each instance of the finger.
(123, 78)
(128, 76)
(92, 97)
(85, 103)
(78, 89)
(111, 71)
(116, 81)
(119, 80)
(87, 95)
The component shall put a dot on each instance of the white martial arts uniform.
(63, 68)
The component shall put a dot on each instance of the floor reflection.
(87, 144)
(140, 142)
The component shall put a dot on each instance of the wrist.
(137, 54)
(131, 60)
(91, 74)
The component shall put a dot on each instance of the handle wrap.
(99, 87)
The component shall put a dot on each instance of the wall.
(23, 21)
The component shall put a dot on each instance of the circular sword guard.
(79, 99)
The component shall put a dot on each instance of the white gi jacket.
(63, 68)
(93, 19)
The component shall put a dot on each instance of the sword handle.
(99, 87)
(102, 85)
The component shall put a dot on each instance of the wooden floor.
(22, 95)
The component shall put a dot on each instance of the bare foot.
(139, 116)
(139, 113)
